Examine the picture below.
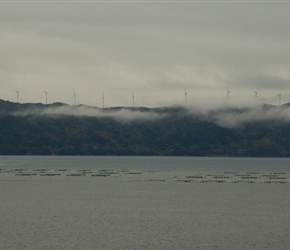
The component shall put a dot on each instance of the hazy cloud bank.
(224, 116)
(239, 117)
(120, 114)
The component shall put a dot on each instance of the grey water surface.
(144, 203)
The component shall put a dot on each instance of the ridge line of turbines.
(256, 95)
(74, 96)
(133, 97)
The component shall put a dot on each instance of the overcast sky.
(153, 49)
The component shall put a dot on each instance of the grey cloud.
(161, 47)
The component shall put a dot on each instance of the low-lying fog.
(224, 115)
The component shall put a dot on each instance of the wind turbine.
(133, 100)
(103, 100)
(185, 96)
(45, 92)
(74, 96)
(17, 93)
(256, 94)
(228, 92)
(279, 96)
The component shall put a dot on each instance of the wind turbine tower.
(17, 94)
(103, 100)
(45, 92)
(279, 96)
(133, 100)
(185, 97)
(256, 94)
(75, 97)
(228, 92)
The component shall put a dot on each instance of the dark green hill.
(60, 129)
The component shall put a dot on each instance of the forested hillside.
(59, 129)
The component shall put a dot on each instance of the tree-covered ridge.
(140, 131)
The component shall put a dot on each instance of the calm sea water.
(144, 203)
(146, 163)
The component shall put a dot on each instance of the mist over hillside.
(61, 129)
(224, 116)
